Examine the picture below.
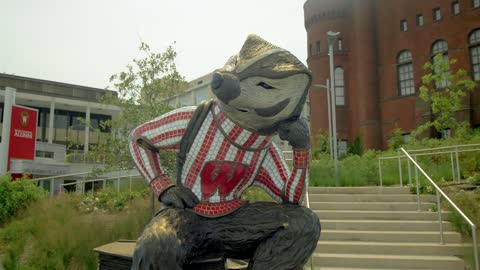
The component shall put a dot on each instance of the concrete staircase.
(366, 228)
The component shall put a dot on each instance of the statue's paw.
(157, 249)
(179, 197)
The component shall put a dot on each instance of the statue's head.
(261, 86)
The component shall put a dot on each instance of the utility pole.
(330, 138)
(332, 38)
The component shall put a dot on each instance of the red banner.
(23, 133)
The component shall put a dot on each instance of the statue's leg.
(170, 241)
(274, 236)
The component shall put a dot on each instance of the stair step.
(392, 248)
(387, 225)
(349, 268)
(368, 198)
(383, 215)
(358, 190)
(387, 261)
(389, 236)
(371, 206)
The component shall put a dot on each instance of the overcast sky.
(85, 41)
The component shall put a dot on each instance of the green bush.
(322, 145)
(353, 170)
(356, 148)
(469, 203)
(109, 200)
(16, 195)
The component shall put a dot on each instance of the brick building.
(379, 57)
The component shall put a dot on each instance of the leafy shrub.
(108, 200)
(322, 146)
(16, 195)
(423, 189)
(469, 203)
(356, 148)
(255, 194)
(397, 140)
(353, 170)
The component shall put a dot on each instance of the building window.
(474, 42)
(437, 16)
(420, 20)
(441, 47)
(339, 87)
(446, 133)
(476, 3)
(319, 49)
(200, 98)
(403, 26)
(455, 8)
(44, 154)
(340, 44)
(406, 82)
(342, 147)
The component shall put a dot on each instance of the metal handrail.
(455, 152)
(444, 147)
(428, 154)
(102, 179)
(439, 193)
(60, 176)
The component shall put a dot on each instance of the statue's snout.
(225, 86)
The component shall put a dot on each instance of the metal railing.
(52, 180)
(454, 152)
(81, 182)
(104, 181)
(439, 194)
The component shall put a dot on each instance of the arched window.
(406, 83)
(339, 87)
(440, 47)
(474, 43)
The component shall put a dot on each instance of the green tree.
(396, 141)
(141, 91)
(356, 148)
(322, 146)
(443, 90)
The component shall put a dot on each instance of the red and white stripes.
(266, 167)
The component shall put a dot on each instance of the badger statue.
(223, 147)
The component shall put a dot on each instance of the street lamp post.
(332, 38)
(330, 138)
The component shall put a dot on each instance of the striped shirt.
(222, 162)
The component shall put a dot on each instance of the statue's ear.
(255, 46)
(231, 63)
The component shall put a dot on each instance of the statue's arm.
(275, 176)
(148, 139)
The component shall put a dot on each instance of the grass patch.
(60, 234)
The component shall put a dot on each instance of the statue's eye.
(265, 85)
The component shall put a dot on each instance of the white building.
(59, 105)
